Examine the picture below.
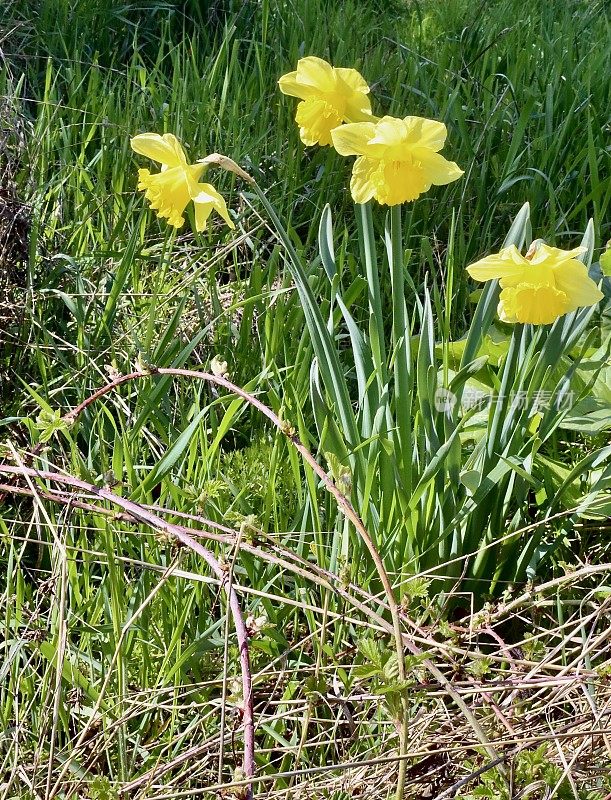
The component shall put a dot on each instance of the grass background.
(524, 91)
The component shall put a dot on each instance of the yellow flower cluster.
(397, 160)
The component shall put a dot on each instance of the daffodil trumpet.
(539, 287)
(178, 183)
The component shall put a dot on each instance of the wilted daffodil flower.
(170, 190)
(539, 287)
(398, 159)
(329, 96)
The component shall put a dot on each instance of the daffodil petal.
(572, 278)
(358, 110)
(164, 149)
(353, 139)
(316, 72)
(362, 185)
(353, 78)
(315, 77)
(390, 132)
(500, 265)
(202, 212)
(438, 169)
(206, 199)
(289, 85)
(312, 77)
(356, 89)
(429, 132)
(556, 256)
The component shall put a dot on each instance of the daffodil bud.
(226, 163)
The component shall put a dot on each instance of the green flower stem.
(401, 349)
(331, 372)
(403, 417)
(323, 344)
(376, 325)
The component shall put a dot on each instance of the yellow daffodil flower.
(329, 96)
(398, 159)
(539, 287)
(170, 190)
